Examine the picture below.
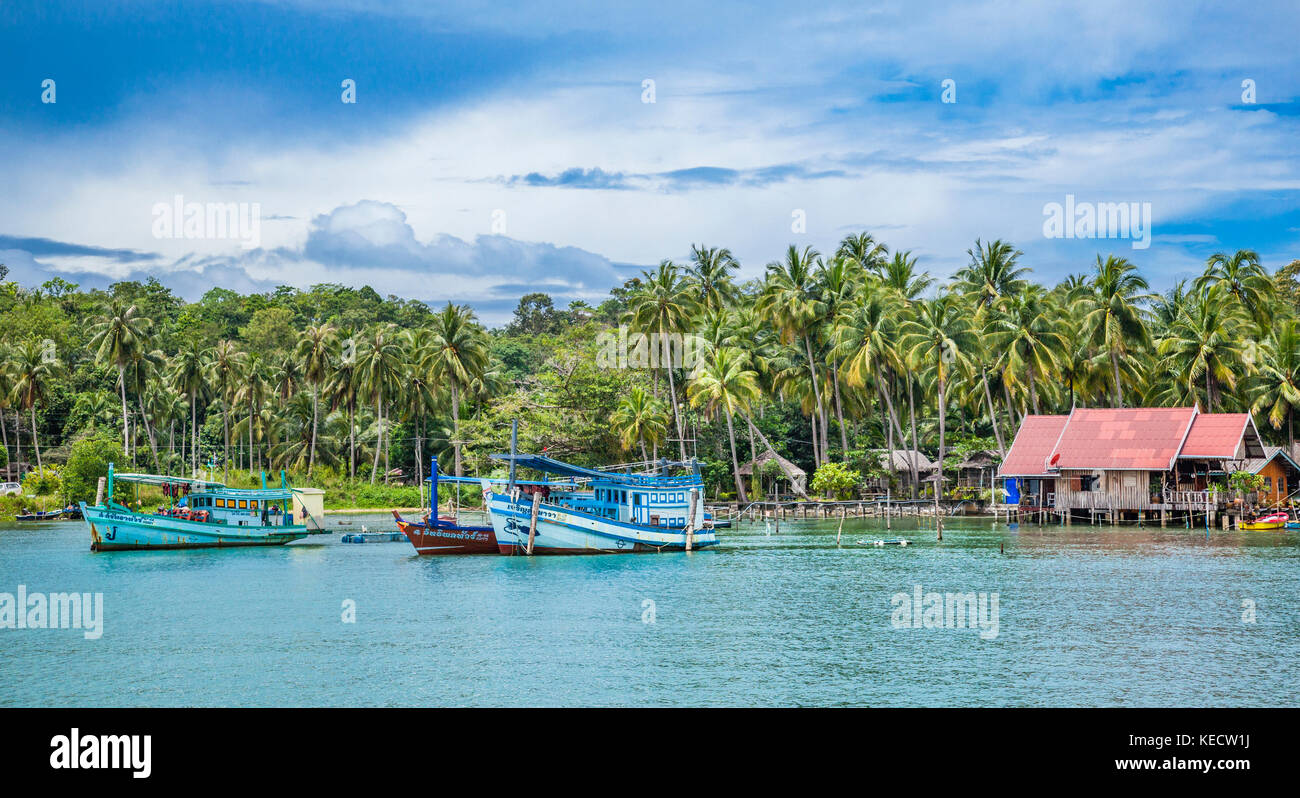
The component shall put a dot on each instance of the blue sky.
(495, 146)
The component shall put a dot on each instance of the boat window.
(253, 504)
(221, 502)
(243, 504)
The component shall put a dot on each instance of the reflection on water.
(1088, 615)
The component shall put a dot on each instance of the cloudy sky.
(496, 147)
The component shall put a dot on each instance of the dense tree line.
(826, 357)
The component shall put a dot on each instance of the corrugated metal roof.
(1215, 435)
(1119, 438)
(1034, 442)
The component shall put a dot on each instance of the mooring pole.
(690, 518)
(532, 521)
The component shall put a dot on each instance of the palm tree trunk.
(36, 443)
(4, 434)
(754, 476)
(817, 391)
(225, 426)
(379, 437)
(18, 442)
(352, 438)
(1033, 392)
(250, 435)
(735, 463)
(121, 383)
(677, 418)
(993, 416)
(148, 428)
(1114, 365)
(194, 433)
(911, 455)
(455, 424)
(315, 412)
(839, 409)
(938, 485)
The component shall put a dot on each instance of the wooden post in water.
(840, 531)
(690, 518)
(532, 521)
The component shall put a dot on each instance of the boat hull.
(564, 531)
(450, 539)
(117, 530)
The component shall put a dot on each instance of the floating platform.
(373, 537)
(885, 542)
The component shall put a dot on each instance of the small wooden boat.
(435, 534)
(47, 515)
(1270, 521)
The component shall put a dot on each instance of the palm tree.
(223, 371)
(118, 332)
(938, 339)
(1279, 384)
(722, 380)
(32, 372)
(315, 349)
(1029, 337)
(1244, 280)
(664, 306)
(253, 390)
(710, 273)
(457, 354)
(1113, 314)
(863, 249)
(342, 390)
(790, 300)
(142, 364)
(639, 419)
(1202, 344)
(189, 370)
(993, 272)
(380, 368)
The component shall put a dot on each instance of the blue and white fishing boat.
(197, 514)
(599, 511)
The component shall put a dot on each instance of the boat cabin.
(659, 498)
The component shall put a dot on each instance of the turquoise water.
(1087, 616)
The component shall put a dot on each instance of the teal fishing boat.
(197, 514)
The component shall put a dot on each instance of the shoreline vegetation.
(838, 362)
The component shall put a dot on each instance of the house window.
(1088, 482)
(1268, 484)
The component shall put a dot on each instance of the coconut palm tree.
(1026, 331)
(342, 390)
(254, 386)
(381, 365)
(456, 355)
(723, 380)
(1113, 313)
(32, 375)
(939, 339)
(1244, 280)
(863, 249)
(189, 377)
(224, 369)
(639, 419)
(118, 332)
(791, 301)
(710, 274)
(993, 272)
(664, 306)
(316, 349)
(1203, 344)
(1278, 388)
